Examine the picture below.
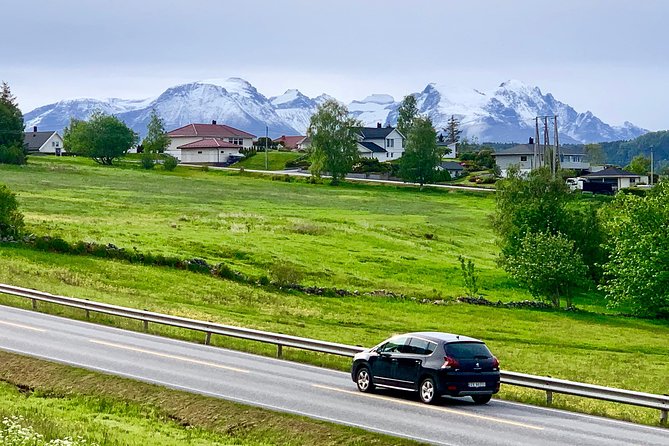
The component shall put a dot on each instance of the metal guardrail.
(547, 384)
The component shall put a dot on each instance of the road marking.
(425, 406)
(26, 327)
(165, 355)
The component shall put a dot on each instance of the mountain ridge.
(503, 114)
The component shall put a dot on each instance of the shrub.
(147, 161)
(11, 219)
(470, 277)
(170, 163)
(12, 155)
(285, 274)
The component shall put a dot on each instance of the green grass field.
(357, 237)
(275, 160)
(59, 401)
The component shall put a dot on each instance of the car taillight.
(495, 362)
(450, 363)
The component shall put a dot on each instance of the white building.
(381, 143)
(523, 156)
(48, 143)
(209, 151)
(196, 132)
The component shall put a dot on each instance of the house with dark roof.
(617, 178)
(381, 143)
(524, 156)
(453, 168)
(214, 133)
(43, 143)
(291, 142)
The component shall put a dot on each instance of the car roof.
(443, 337)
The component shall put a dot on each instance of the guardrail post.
(663, 417)
(146, 325)
(549, 397)
(279, 351)
(207, 339)
(34, 304)
(88, 315)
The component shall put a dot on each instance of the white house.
(381, 143)
(617, 178)
(196, 132)
(48, 143)
(523, 156)
(209, 151)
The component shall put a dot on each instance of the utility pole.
(546, 144)
(537, 160)
(266, 144)
(652, 172)
(557, 148)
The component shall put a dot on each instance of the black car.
(432, 364)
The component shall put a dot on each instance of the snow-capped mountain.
(503, 114)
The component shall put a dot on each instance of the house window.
(57, 143)
(387, 154)
(53, 143)
(238, 141)
(523, 158)
(222, 151)
(390, 143)
(392, 154)
(199, 152)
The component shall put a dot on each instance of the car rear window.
(467, 350)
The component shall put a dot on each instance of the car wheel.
(427, 391)
(481, 399)
(364, 380)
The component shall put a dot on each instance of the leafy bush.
(301, 162)
(11, 219)
(285, 274)
(170, 163)
(12, 155)
(470, 277)
(370, 165)
(147, 161)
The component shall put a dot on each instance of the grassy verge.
(275, 160)
(59, 401)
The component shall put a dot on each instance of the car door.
(410, 361)
(384, 361)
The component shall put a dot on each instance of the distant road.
(297, 173)
(305, 390)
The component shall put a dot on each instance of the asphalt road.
(306, 390)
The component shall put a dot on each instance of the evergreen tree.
(156, 140)
(11, 128)
(334, 147)
(452, 130)
(405, 114)
(421, 156)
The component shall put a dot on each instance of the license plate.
(476, 384)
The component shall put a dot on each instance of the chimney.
(213, 122)
(531, 140)
(35, 129)
(378, 125)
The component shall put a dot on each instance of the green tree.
(595, 153)
(11, 219)
(469, 276)
(639, 165)
(637, 272)
(452, 130)
(11, 128)
(421, 156)
(103, 138)
(334, 136)
(406, 113)
(156, 139)
(540, 203)
(548, 265)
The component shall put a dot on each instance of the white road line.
(165, 355)
(25, 327)
(425, 406)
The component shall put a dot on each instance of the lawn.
(357, 237)
(275, 160)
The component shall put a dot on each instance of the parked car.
(430, 363)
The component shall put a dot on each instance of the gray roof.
(35, 140)
(373, 147)
(611, 172)
(375, 132)
(451, 165)
(528, 149)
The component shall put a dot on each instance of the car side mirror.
(384, 354)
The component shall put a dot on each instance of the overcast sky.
(610, 57)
